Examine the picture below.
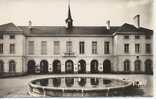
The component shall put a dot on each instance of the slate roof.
(75, 31)
(62, 31)
(128, 28)
(10, 27)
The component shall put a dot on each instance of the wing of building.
(75, 49)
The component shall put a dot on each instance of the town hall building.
(76, 49)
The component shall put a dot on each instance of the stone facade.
(116, 49)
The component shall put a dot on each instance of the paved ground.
(17, 86)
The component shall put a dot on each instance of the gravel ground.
(17, 86)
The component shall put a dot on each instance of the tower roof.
(69, 20)
(69, 12)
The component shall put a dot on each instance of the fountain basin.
(78, 86)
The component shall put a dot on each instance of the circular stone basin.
(78, 86)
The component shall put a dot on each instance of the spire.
(69, 12)
(69, 20)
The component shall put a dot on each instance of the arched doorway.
(44, 66)
(94, 81)
(56, 66)
(69, 81)
(82, 66)
(107, 66)
(126, 66)
(1, 66)
(56, 82)
(69, 66)
(137, 65)
(82, 81)
(12, 66)
(31, 66)
(148, 66)
(94, 66)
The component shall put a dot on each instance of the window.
(1, 36)
(43, 47)
(126, 37)
(69, 46)
(148, 48)
(106, 48)
(137, 37)
(126, 48)
(94, 47)
(1, 66)
(82, 47)
(56, 47)
(126, 65)
(1, 48)
(137, 65)
(12, 48)
(137, 48)
(12, 66)
(148, 37)
(31, 47)
(12, 36)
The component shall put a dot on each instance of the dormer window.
(1, 36)
(126, 37)
(137, 37)
(12, 36)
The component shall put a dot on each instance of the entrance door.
(69, 66)
(31, 66)
(56, 66)
(82, 66)
(148, 66)
(94, 66)
(107, 66)
(43, 66)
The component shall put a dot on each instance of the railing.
(69, 54)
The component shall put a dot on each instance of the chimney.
(30, 24)
(137, 20)
(108, 24)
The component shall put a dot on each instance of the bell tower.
(69, 20)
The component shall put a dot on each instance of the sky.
(84, 12)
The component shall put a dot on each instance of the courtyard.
(17, 86)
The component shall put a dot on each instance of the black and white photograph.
(76, 48)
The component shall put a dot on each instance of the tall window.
(137, 48)
(126, 37)
(12, 48)
(56, 47)
(148, 37)
(106, 48)
(69, 46)
(126, 48)
(1, 66)
(148, 48)
(43, 47)
(82, 47)
(31, 47)
(126, 65)
(12, 66)
(1, 48)
(94, 47)
(1, 36)
(137, 65)
(12, 36)
(137, 37)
